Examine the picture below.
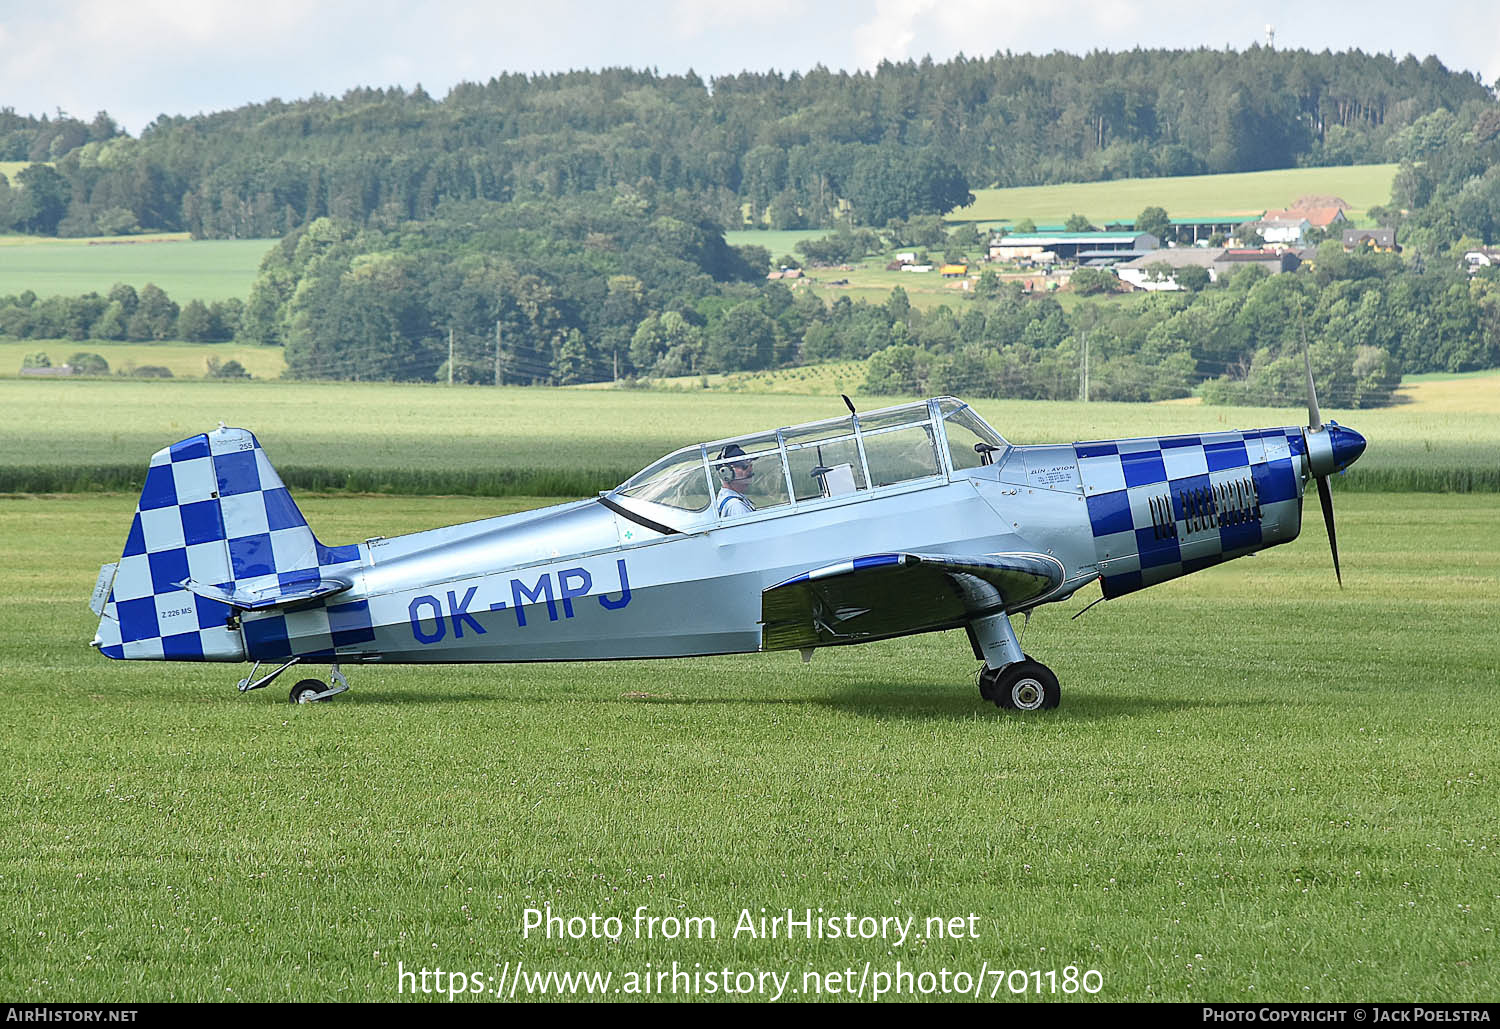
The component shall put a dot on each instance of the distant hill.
(792, 151)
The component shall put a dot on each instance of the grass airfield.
(1259, 786)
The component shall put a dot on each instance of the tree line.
(1365, 319)
(122, 314)
(780, 150)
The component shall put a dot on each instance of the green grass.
(779, 243)
(85, 241)
(817, 380)
(1245, 193)
(1445, 376)
(187, 269)
(67, 435)
(186, 360)
(10, 168)
(1259, 788)
(870, 281)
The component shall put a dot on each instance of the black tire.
(989, 683)
(1026, 686)
(304, 691)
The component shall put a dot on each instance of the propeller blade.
(1325, 495)
(1314, 416)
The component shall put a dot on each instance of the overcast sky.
(140, 58)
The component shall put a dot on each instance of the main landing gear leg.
(1009, 678)
(309, 691)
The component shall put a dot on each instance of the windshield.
(971, 443)
(678, 480)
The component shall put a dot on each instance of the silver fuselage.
(582, 582)
(220, 565)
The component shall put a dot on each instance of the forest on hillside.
(759, 148)
(570, 228)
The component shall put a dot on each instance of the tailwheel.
(1023, 686)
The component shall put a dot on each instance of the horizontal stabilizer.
(882, 595)
(269, 597)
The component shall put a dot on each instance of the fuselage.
(220, 565)
(583, 582)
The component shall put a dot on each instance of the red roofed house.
(1285, 226)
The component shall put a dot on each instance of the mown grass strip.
(578, 482)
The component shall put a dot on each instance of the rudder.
(215, 512)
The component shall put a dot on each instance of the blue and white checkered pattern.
(214, 510)
(1122, 478)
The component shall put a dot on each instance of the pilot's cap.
(734, 450)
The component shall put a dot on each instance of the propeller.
(1330, 448)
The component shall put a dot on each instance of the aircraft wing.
(893, 594)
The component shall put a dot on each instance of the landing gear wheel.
(306, 691)
(988, 680)
(1024, 686)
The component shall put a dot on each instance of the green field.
(1243, 193)
(1259, 788)
(187, 269)
(185, 360)
(779, 243)
(816, 380)
(62, 434)
(10, 168)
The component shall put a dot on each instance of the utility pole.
(497, 351)
(1085, 390)
(450, 356)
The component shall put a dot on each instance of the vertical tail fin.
(213, 513)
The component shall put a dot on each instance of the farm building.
(1225, 225)
(1069, 246)
(1195, 229)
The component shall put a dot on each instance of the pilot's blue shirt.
(731, 504)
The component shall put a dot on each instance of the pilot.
(735, 480)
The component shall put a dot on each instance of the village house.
(1383, 240)
(1141, 272)
(1283, 227)
(1273, 261)
(1484, 257)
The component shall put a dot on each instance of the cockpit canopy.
(821, 460)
